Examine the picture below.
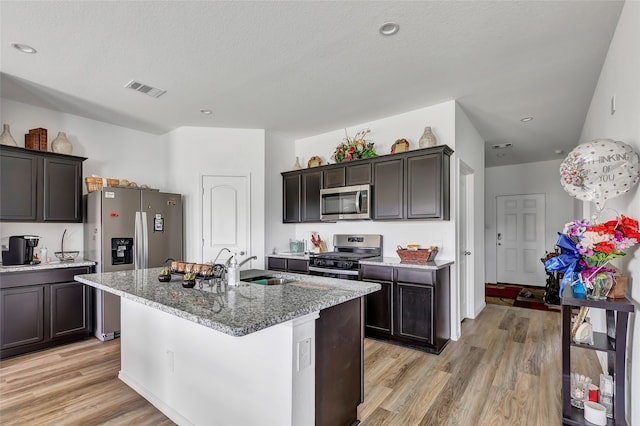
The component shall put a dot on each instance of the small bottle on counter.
(233, 273)
(43, 255)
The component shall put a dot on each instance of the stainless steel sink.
(269, 280)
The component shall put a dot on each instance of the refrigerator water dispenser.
(121, 251)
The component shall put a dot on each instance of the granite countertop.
(236, 311)
(50, 265)
(395, 262)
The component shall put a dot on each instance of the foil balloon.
(600, 170)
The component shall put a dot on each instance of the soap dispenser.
(233, 273)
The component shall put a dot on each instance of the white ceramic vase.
(6, 138)
(428, 139)
(61, 144)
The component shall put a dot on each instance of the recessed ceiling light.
(24, 48)
(526, 119)
(389, 28)
(206, 111)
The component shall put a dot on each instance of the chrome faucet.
(219, 253)
(246, 260)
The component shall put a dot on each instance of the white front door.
(521, 239)
(225, 216)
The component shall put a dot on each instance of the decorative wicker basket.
(420, 255)
(95, 183)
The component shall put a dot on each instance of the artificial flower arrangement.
(354, 148)
(586, 250)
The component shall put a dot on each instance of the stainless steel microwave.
(348, 202)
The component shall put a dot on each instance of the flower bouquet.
(586, 250)
(354, 148)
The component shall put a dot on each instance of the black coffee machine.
(20, 250)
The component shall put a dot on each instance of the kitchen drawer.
(277, 264)
(415, 276)
(372, 272)
(43, 276)
(298, 265)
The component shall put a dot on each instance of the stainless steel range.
(344, 261)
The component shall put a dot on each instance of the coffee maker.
(20, 250)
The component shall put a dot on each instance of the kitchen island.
(250, 355)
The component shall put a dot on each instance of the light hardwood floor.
(505, 370)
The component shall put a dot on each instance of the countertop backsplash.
(50, 235)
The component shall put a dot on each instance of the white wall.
(384, 132)
(619, 77)
(470, 151)
(531, 178)
(111, 151)
(198, 151)
(277, 160)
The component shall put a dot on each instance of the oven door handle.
(333, 271)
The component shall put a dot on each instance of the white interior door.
(465, 273)
(520, 243)
(225, 216)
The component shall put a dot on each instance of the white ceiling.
(306, 67)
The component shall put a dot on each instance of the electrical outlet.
(613, 104)
(304, 354)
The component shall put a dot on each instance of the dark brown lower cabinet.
(339, 364)
(43, 308)
(299, 266)
(412, 309)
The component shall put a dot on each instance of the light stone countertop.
(51, 265)
(288, 255)
(395, 262)
(236, 311)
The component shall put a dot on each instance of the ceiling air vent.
(502, 146)
(146, 89)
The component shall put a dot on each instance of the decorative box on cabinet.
(412, 308)
(38, 186)
(41, 309)
(613, 343)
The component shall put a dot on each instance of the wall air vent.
(502, 146)
(146, 89)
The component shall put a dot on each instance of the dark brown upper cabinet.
(301, 196)
(406, 186)
(38, 186)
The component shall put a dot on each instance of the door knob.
(467, 253)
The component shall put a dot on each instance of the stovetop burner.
(349, 250)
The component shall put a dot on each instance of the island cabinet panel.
(388, 195)
(43, 308)
(339, 364)
(291, 198)
(310, 197)
(38, 186)
(412, 308)
(22, 315)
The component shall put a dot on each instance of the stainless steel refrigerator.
(124, 229)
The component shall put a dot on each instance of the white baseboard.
(156, 402)
(479, 309)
